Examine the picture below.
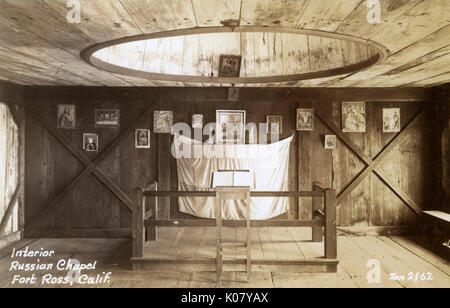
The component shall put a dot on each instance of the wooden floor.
(272, 249)
(266, 244)
(398, 255)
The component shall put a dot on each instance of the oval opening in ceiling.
(267, 55)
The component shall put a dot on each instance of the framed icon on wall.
(142, 138)
(230, 126)
(66, 117)
(305, 119)
(90, 142)
(197, 121)
(230, 66)
(274, 124)
(163, 122)
(354, 117)
(330, 142)
(391, 120)
(109, 118)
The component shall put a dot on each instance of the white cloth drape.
(269, 164)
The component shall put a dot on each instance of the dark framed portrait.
(230, 66)
(107, 118)
(90, 142)
(66, 117)
(142, 138)
(233, 94)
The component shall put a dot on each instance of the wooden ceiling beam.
(432, 81)
(420, 72)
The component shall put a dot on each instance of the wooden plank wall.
(9, 166)
(442, 127)
(372, 203)
(11, 160)
(90, 209)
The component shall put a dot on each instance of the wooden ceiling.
(38, 46)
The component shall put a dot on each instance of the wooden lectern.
(223, 182)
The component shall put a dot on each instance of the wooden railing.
(145, 220)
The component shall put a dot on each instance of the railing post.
(151, 231)
(317, 205)
(330, 225)
(219, 245)
(138, 226)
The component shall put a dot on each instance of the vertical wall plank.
(9, 164)
(164, 166)
(304, 170)
(3, 158)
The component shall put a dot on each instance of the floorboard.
(422, 253)
(396, 254)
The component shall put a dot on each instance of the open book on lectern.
(234, 178)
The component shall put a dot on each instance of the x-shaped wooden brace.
(9, 211)
(15, 114)
(17, 118)
(372, 164)
(91, 166)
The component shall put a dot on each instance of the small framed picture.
(142, 138)
(66, 116)
(391, 120)
(330, 142)
(274, 125)
(90, 142)
(233, 94)
(305, 119)
(230, 126)
(197, 121)
(230, 66)
(163, 122)
(107, 118)
(354, 117)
